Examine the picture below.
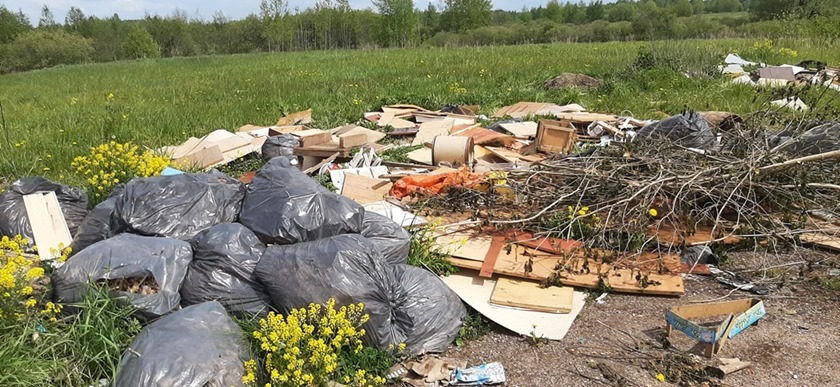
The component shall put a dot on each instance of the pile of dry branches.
(619, 196)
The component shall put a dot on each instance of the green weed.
(474, 327)
(424, 253)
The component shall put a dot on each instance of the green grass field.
(53, 115)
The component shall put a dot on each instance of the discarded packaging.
(740, 315)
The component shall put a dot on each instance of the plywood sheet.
(422, 155)
(464, 244)
(827, 241)
(525, 129)
(365, 190)
(476, 292)
(516, 262)
(49, 227)
(372, 135)
(529, 295)
(429, 130)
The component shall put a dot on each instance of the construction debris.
(739, 314)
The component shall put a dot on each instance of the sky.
(205, 9)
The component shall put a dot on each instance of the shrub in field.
(313, 346)
(112, 163)
(39, 49)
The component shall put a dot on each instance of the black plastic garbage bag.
(177, 206)
(347, 268)
(689, 129)
(389, 237)
(159, 263)
(819, 139)
(284, 206)
(13, 219)
(435, 312)
(222, 269)
(198, 346)
(96, 226)
(282, 145)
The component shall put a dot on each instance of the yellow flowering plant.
(113, 163)
(20, 275)
(311, 347)
(577, 222)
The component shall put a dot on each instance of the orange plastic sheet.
(435, 184)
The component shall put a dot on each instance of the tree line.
(333, 24)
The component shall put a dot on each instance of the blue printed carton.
(740, 314)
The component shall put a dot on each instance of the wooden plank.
(300, 118)
(482, 136)
(464, 244)
(363, 189)
(492, 255)
(585, 118)
(323, 162)
(353, 140)
(476, 292)
(203, 158)
(278, 130)
(49, 227)
(429, 130)
(542, 265)
(372, 135)
(555, 137)
(831, 242)
(312, 137)
(506, 154)
(322, 151)
(189, 146)
(525, 129)
(529, 295)
(422, 155)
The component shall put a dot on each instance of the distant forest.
(332, 24)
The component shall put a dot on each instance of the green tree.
(277, 30)
(47, 19)
(462, 15)
(74, 19)
(429, 21)
(595, 11)
(655, 24)
(141, 44)
(553, 11)
(621, 12)
(39, 49)
(699, 6)
(398, 25)
(683, 8)
(11, 25)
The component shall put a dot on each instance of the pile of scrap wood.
(806, 73)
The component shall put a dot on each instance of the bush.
(112, 163)
(40, 49)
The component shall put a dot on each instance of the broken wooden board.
(322, 150)
(278, 130)
(555, 137)
(668, 235)
(352, 141)
(585, 118)
(511, 156)
(529, 295)
(372, 135)
(300, 118)
(422, 155)
(457, 119)
(429, 130)
(201, 159)
(543, 265)
(364, 190)
(524, 130)
(476, 292)
(482, 136)
(464, 244)
(337, 176)
(831, 242)
(483, 156)
(49, 228)
(524, 109)
(390, 119)
(312, 137)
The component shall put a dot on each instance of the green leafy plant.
(474, 326)
(425, 252)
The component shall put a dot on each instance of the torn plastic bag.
(434, 311)
(129, 262)
(13, 219)
(285, 206)
(222, 269)
(198, 346)
(819, 139)
(96, 226)
(282, 145)
(689, 129)
(347, 268)
(389, 237)
(177, 206)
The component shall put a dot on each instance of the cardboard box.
(740, 314)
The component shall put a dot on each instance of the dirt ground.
(795, 344)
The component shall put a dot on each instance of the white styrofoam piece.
(397, 214)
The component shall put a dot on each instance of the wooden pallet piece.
(49, 227)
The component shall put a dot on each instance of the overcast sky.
(135, 9)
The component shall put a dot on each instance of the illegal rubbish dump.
(540, 204)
